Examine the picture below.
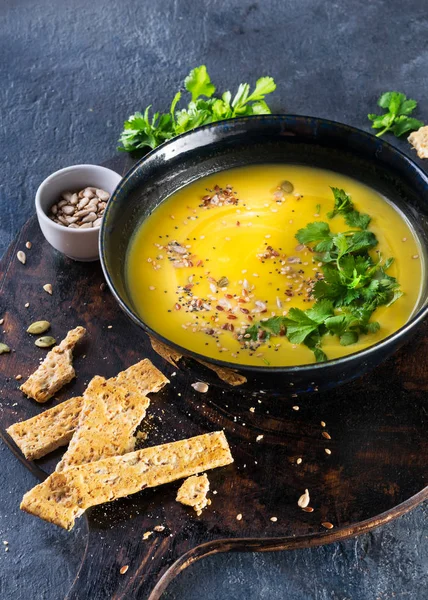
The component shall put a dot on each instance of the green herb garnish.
(396, 119)
(141, 130)
(353, 286)
(343, 205)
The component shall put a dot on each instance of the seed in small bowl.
(80, 210)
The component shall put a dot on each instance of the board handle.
(103, 573)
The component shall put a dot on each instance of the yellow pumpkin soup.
(275, 265)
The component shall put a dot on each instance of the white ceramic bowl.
(78, 244)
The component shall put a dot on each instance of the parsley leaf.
(141, 131)
(198, 83)
(344, 205)
(396, 119)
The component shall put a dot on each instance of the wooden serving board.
(376, 470)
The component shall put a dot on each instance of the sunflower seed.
(304, 500)
(200, 386)
(68, 210)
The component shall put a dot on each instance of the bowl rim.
(48, 180)
(365, 353)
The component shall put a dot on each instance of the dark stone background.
(70, 73)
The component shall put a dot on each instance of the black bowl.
(258, 140)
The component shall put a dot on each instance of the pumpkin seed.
(38, 327)
(223, 282)
(45, 342)
(4, 348)
(287, 187)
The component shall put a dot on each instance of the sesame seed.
(123, 569)
(327, 525)
(18, 377)
(326, 435)
(259, 438)
(299, 461)
(274, 519)
(322, 423)
(327, 450)
(415, 256)
(239, 517)
(296, 407)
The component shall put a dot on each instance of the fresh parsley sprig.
(353, 286)
(141, 130)
(396, 119)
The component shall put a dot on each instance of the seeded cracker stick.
(53, 428)
(55, 371)
(48, 431)
(64, 496)
(111, 412)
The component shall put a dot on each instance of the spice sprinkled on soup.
(275, 266)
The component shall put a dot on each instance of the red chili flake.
(177, 306)
(231, 317)
(244, 310)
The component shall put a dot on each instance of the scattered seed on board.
(326, 435)
(28, 245)
(200, 386)
(18, 377)
(296, 408)
(147, 535)
(299, 461)
(21, 257)
(159, 528)
(274, 519)
(38, 327)
(1, 321)
(259, 438)
(308, 509)
(4, 348)
(45, 342)
(327, 451)
(239, 517)
(322, 423)
(48, 288)
(123, 569)
(327, 525)
(304, 500)
(27, 304)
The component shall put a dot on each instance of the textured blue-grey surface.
(70, 73)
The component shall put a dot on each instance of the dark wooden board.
(377, 469)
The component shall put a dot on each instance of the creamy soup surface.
(209, 261)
